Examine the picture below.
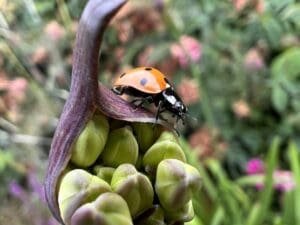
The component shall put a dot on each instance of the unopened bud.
(76, 188)
(107, 209)
(146, 134)
(105, 173)
(167, 135)
(183, 214)
(134, 187)
(121, 147)
(166, 147)
(90, 142)
(175, 183)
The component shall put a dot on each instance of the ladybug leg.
(147, 99)
(180, 118)
(134, 101)
(160, 109)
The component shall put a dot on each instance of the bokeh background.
(235, 63)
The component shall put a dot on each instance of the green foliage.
(269, 85)
(226, 201)
(8, 170)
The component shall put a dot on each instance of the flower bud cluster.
(129, 174)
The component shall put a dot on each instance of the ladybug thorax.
(145, 79)
(173, 102)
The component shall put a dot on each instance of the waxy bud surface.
(76, 188)
(90, 142)
(134, 187)
(107, 209)
(121, 147)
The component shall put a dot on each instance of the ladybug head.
(174, 104)
(180, 108)
(181, 111)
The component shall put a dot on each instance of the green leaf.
(295, 164)
(251, 180)
(288, 214)
(287, 64)
(230, 196)
(260, 210)
(292, 14)
(218, 216)
(273, 29)
(5, 159)
(279, 4)
(279, 98)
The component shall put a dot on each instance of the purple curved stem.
(83, 97)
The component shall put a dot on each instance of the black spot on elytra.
(122, 75)
(148, 68)
(143, 81)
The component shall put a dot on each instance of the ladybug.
(149, 85)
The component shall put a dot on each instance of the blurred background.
(235, 63)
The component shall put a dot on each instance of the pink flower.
(178, 53)
(55, 31)
(187, 50)
(192, 47)
(241, 109)
(188, 89)
(240, 5)
(255, 166)
(17, 89)
(253, 60)
(283, 180)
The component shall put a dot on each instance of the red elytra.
(145, 79)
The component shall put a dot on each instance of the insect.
(149, 85)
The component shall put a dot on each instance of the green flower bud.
(153, 216)
(162, 149)
(183, 214)
(105, 173)
(167, 135)
(134, 187)
(107, 209)
(175, 183)
(90, 142)
(194, 221)
(121, 147)
(146, 134)
(76, 188)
